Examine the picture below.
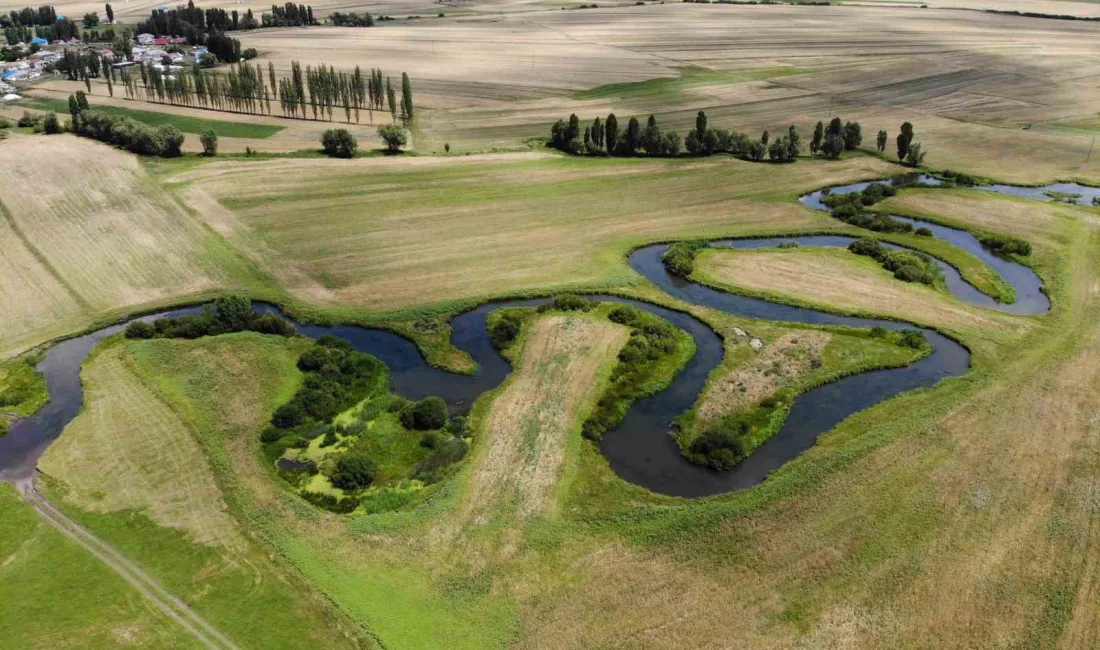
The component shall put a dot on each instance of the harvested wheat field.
(533, 419)
(389, 234)
(980, 79)
(90, 233)
(843, 280)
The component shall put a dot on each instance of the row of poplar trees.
(312, 92)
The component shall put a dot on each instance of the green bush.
(913, 339)
(393, 136)
(679, 259)
(29, 119)
(165, 141)
(572, 302)
(339, 143)
(50, 124)
(354, 471)
(1004, 245)
(505, 329)
(428, 413)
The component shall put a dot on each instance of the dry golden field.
(843, 280)
(1003, 96)
(383, 233)
(86, 232)
(970, 82)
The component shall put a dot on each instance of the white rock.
(738, 331)
(756, 344)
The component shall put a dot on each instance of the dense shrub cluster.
(429, 413)
(679, 259)
(29, 119)
(651, 342)
(351, 19)
(337, 377)
(908, 266)
(849, 209)
(1003, 245)
(227, 314)
(569, 302)
(505, 329)
(959, 178)
(125, 132)
(726, 442)
(354, 471)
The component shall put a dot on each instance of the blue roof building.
(38, 41)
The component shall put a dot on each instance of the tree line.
(351, 19)
(248, 88)
(192, 20)
(59, 30)
(605, 138)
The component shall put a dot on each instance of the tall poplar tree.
(406, 98)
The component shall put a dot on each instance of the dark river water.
(641, 449)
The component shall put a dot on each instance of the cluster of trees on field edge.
(605, 138)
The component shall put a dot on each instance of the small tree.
(903, 140)
(82, 100)
(632, 138)
(91, 19)
(611, 133)
(406, 98)
(914, 157)
(110, 13)
(209, 143)
(852, 134)
(651, 137)
(700, 125)
(881, 140)
(819, 135)
(391, 99)
(764, 137)
(393, 136)
(447, 147)
(670, 145)
(74, 107)
(50, 124)
(794, 143)
(339, 143)
(832, 146)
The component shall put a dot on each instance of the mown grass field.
(56, 594)
(192, 125)
(138, 473)
(387, 234)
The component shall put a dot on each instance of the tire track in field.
(145, 584)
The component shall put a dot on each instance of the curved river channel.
(640, 449)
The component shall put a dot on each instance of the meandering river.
(641, 449)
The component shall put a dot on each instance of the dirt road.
(172, 606)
